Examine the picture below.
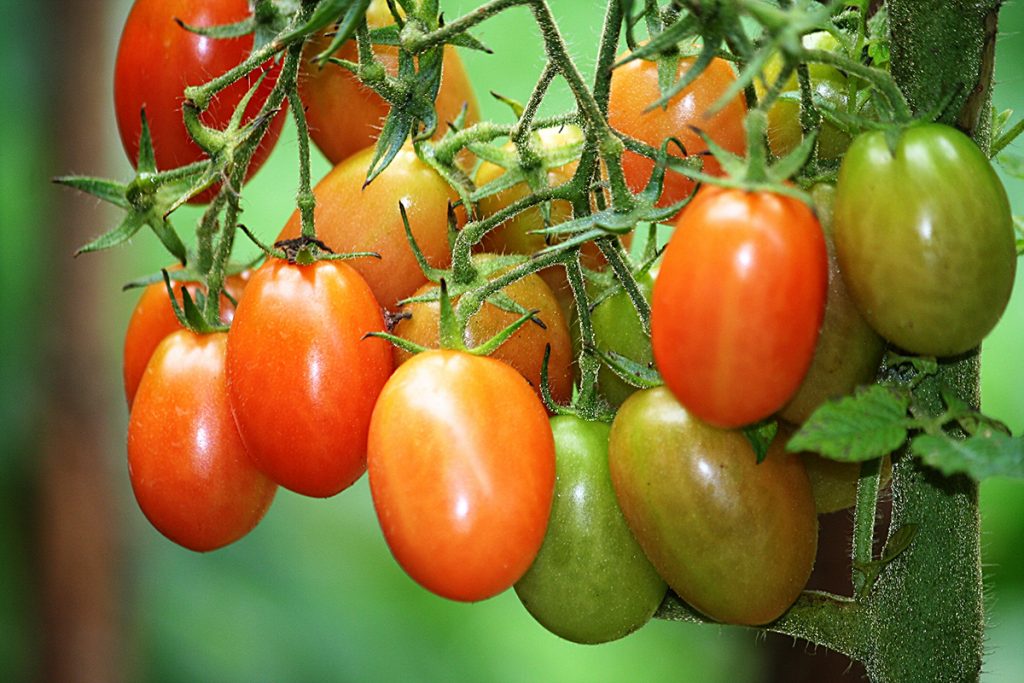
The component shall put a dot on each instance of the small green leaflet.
(760, 436)
(988, 453)
(869, 424)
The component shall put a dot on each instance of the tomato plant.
(617, 328)
(345, 116)
(829, 86)
(924, 238)
(524, 351)
(634, 86)
(848, 351)
(189, 469)
(591, 581)
(153, 319)
(737, 305)
(734, 538)
(462, 472)
(157, 59)
(302, 375)
(350, 217)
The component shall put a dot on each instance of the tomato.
(737, 305)
(924, 238)
(157, 59)
(188, 467)
(634, 86)
(351, 218)
(834, 483)
(617, 328)
(153, 319)
(345, 116)
(303, 376)
(590, 582)
(734, 538)
(827, 83)
(462, 472)
(848, 351)
(524, 351)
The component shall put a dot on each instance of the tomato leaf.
(867, 425)
(988, 453)
(760, 436)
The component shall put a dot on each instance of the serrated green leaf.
(989, 453)
(867, 425)
(760, 436)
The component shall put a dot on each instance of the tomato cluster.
(761, 308)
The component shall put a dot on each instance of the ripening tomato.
(848, 351)
(462, 471)
(828, 84)
(924, 238)
(834, 483)
(738, 302)
(524, 350)
(157, 59)
(634, 87)
(153, 319)
(345, 116)
(302, 374)
(190, 472)
(352, 218)
(734, 538)
(590, 582)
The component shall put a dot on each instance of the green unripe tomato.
(834, 483)
(924, 238)
(734, 538)
(590, 582)
(849, 350)
(617, 328)
(827, 82)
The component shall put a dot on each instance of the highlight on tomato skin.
(190, 472)
(143, 81)
(634, 87)
(462, 472)
(738, 304)
(302, 374)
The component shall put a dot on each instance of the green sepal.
(628, 370)
(760, 436)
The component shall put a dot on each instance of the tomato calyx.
(192, 312)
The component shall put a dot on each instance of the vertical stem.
(864, 521)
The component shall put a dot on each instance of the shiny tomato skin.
(345, 116)
(302, 375)
(189, 469)
(157, 59)
(462, 472)
(738, 303)
(617, 329)
(352, 218)
(848, 351)
(524, 350)
(924, 238)
(590, 582)
(735, 539)
(153, 319)
(634, 86)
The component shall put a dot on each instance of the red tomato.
(345, 116)
(157, 59)
(189, 469)
(153, 319)
(351, 218)
(524, 350)
(462, 472)
(634, 87)
(303, 376)
(738, 302)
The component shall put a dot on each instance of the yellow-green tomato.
(834, 483)
(734, 538)
(591, 582)
(848, 350)
(617, 328)
(828, 84)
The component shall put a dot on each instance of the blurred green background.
(312, 594)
